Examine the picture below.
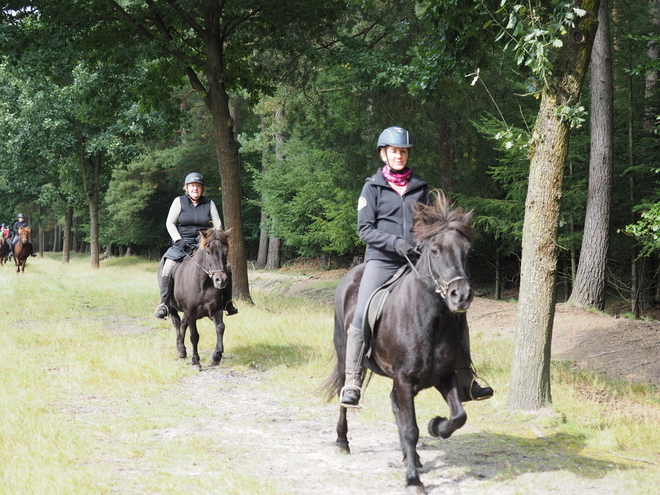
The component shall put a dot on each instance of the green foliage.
(457, 38)
(534, 31)
(307, 210)
(502, 217)
(647, 229)
(574, 115)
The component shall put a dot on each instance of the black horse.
(417, 340)
(198, 283)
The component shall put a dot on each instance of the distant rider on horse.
(21, 223)
(188, 215)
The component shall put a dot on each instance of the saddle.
(374, 309)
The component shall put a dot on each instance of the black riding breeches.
(376, 273)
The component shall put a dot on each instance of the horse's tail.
(331, 387)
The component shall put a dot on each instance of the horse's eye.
(435, 252)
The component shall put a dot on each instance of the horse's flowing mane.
(439, 216)
(212, 234)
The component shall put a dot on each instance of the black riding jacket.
(385, 216)
(17, 225)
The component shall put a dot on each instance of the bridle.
(440, 285)
(208, 271)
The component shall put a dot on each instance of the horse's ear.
(228, 231)
(467, 218)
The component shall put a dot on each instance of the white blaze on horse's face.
(448, 266)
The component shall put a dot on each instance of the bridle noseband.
(440, 286)
(208, 271)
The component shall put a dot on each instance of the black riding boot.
(165, 284)
(32, 250)
(468, 388)
(350, 393)
(230, 308)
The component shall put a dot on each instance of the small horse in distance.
(4, 250)
(198, 283)
(417, 339)
(22, 248)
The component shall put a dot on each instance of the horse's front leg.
(403, 406)
(180, 333)
(443, 427)
(219, 332)
(194, 340)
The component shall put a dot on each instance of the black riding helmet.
(194, 177)
(394, 136)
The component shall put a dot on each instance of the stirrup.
(167, 311)
(474, 380)
(348, 388)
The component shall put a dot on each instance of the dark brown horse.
(4, 250)
(198, 283)
(22, 248)
(417, 340)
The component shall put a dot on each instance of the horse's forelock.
(430, 220)
(212, 234)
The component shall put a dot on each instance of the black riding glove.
(402, 248)
(181, 245)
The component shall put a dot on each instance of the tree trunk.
(498, 275)
(42, 235)
(66, 245)
(651, 80)
(93, 195)
(217, 101)
(590, 283)
(274, 253)
(530, 375)
(90, 170)
(262, 256)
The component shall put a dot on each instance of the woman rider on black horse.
(188, 215)
(385, 213)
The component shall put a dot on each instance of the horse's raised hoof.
(182, 353)
(437, 427)
(415, 490)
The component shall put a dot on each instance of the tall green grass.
(87, 374)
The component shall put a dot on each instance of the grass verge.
(88, 376)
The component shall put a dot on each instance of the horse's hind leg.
(180, 333)
(219, 332)
(443, 427)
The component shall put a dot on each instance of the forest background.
(105, 106)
